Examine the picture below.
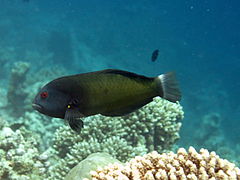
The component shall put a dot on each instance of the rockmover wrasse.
(109, 92)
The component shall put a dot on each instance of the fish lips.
(37, 107)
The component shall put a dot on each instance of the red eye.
(44, 95)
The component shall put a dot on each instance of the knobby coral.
(155, 126)
(183, 165)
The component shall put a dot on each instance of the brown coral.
(184, 165)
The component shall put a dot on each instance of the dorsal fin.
(127, 74)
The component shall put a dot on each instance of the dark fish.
(155, 55)
(109, 92)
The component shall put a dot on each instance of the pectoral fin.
(73, 117)
(75, 124)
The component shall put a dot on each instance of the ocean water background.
(199, 40)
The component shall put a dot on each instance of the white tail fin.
(169, 87)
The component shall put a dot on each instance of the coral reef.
(17, 107)
(183, 165)
(19, 156)
(3, 97)
(210, 135)
(40, 124)
(16, 94)
(23, 86)
(3, 122)
(155, 126)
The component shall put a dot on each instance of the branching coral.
(183, 165)
(40, 124)
(157, 124)
(154, 126)
(19, 156)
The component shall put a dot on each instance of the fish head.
(51, 102)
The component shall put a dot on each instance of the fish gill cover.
(44, 40)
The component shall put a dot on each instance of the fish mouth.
(37, 107)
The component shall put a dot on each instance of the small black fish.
(155, 55)
(109, 92)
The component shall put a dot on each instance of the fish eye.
(44, 95)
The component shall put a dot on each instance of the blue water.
(199, 40)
